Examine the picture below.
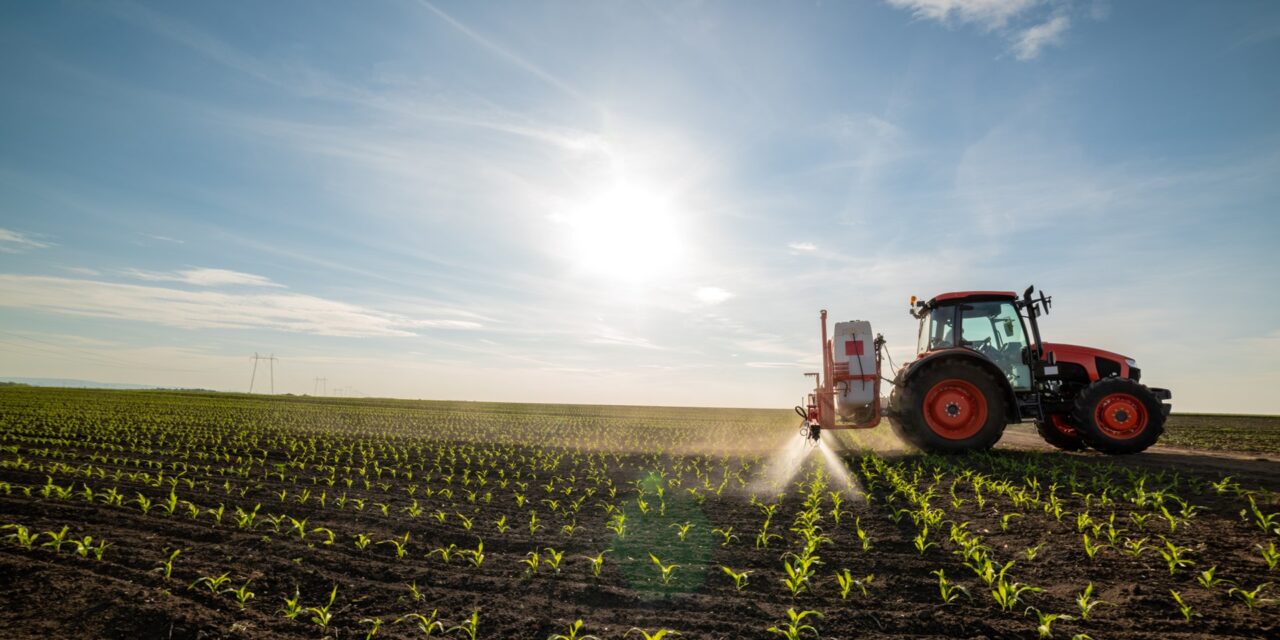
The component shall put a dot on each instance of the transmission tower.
(271, 362)
(322, 386)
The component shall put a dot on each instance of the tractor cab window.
(994, 329)
(936, 330)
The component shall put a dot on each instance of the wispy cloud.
(1031, 41)
(712, 295)
(290, 312)
(17, 242)
(805, 247)
(205, 277)
(506, 53)
(990, 14)
(1002, 16)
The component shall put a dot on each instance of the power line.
(271, 362)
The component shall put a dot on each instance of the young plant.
(1005, 520)
(1086, 602)
(1269, 555)
(374, 625)
(447, 553)
(667, 570)
(921, 541)
(949, 592)
(21, 536)
(292, 609)
(166, 566)
(321, 615)
(656, 635)
(214, 583)
(1032, 552)
(847, 582)
(1008, 594)
(1207, 580)
(682, 529)
(597, 563)
(531, 561)
(795, 628)
(1251, 599)
(56, 540)
(726, 535)
(573, 633)
(242, 593)
(363, 541)
(469, 627)
(739, 578)
(1183, 607)
(1044, 621)
(427, 624)
(1173, 556)
(554, 558)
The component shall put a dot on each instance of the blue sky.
(629, 202)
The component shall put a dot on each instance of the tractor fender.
(906, 374)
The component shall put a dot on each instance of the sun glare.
(625, 233)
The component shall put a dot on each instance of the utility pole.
(271, 362)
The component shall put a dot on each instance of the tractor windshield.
(994, 329)
(936, 330)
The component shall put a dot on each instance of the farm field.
(188, 515)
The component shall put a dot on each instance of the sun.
(624, 233)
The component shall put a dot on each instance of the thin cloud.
(205, 277)
(1030, 42)
(712, 295)
(990, 14)
(1002, 16)
(17, 242)
(291, 312)
(806, 247)
(504, 52)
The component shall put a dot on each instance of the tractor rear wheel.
(1118, 416)
(951, 407)
(1059, 432)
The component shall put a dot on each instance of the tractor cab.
(988, 323)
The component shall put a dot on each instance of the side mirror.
(1008, 328)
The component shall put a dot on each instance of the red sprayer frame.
(821, 410)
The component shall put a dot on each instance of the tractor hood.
(1096, 362)
(1074, 351)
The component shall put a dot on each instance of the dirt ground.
(46, 594)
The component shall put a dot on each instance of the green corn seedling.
(739, 577)
(1252, 598)
(1086, 602)
(427, 624)
(1183, 607)
(574, 633)
(667, 570)
(469, 627)
(795, 628)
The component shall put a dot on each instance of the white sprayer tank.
(853, 355)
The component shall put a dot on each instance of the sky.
(629, 202)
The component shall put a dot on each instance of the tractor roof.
(957, 296)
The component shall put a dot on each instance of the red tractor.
(976, 371)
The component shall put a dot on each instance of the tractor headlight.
(1131, 362)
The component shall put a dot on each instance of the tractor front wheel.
(1059, 432)
(1118, 416)
(951, 407)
